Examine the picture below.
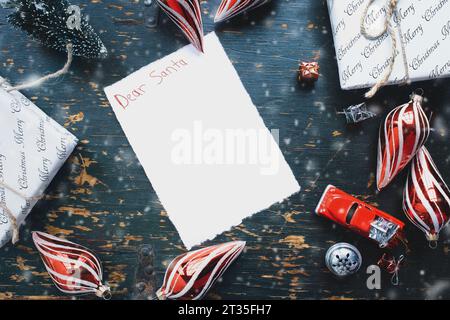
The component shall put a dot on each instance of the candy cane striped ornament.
(230, 8)
(404, 131)
(187, 16)
(190, 275)
(73, 268)
(426, 198)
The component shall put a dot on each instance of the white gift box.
(422, 28)
(33, 147)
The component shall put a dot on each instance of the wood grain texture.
(102, 199)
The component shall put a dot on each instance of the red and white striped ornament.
(190, 275)
(404, 131)
(187, 16)
(426, 199)
(230, 8)
(73, 268)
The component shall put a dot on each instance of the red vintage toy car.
(360, 217)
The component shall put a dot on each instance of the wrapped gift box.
(423, 26)
(33, 147)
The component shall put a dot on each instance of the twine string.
(387, 28)
(392, 265)
(12, 218)
(56, 74)
(396, 267)
(47, 77)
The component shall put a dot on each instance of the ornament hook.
(419, 92)
(433, 244)
(417, 95)
(432, 240)
(56, 74)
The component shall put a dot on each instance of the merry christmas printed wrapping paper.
(201, 141)
(422, 26)
(33, 147)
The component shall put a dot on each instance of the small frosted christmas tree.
(56, 23)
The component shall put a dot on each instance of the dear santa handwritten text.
(156, 77)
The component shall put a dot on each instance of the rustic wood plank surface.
(101, 197)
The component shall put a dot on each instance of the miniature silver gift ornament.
(357, 113)
(33, 147)
(343, 259)
(382, 231)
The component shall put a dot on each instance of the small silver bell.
(343, 259)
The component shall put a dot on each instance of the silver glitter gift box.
(33, 147)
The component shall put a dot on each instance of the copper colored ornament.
(72, 267)
(230, 8)
(404, 131)
(190, 275)
(187, 16)
(426, 199)
(308, 71)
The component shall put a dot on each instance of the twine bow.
(392, 266)
(53, 75)
(387, 28)
(12, 218)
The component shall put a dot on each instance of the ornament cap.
(432, 236)
(103, 292)
(432, 239)
(416, 98)
(417, 95)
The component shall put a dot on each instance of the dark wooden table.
(102, 199)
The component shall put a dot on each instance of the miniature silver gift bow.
(389, 29)
(12, 218)
(56, 74)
